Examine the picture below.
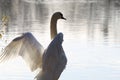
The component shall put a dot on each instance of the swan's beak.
(63, 18)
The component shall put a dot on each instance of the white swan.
(26, 46)
(54, 60)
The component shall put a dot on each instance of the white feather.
(27, 47)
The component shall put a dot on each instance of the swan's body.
(31, 51)
(54, 60)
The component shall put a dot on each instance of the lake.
(91, 37)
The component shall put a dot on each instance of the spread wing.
(54, 58)
(27, 47)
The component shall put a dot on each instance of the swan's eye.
(61, 15)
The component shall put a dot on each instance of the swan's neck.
(53, 27)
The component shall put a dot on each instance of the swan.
(52, 60)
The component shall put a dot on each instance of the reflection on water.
(91, 36)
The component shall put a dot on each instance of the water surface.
(91, 40)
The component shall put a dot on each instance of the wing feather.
(54, 58)
(27, 47)
(11, 50)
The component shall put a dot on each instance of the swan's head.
(58, 15)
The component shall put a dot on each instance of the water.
(91, 40)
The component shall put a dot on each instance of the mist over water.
(91, 36)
